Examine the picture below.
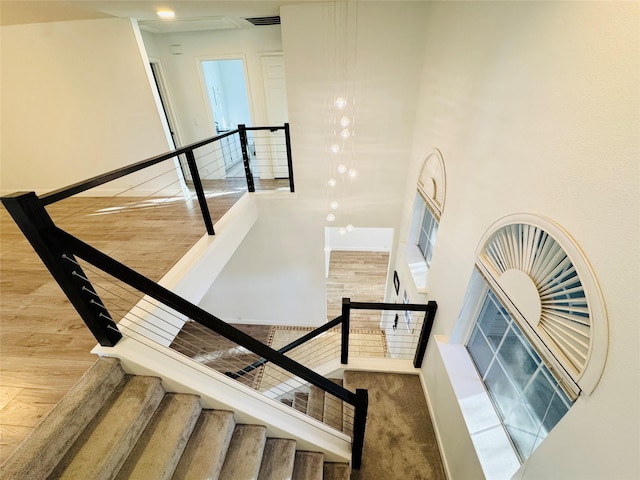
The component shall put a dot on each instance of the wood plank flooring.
(360, 276)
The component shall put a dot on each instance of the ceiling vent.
(261, 21)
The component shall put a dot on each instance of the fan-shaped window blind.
(540, 271)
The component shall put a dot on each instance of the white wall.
(385, 77)
(77, 102)
(276, 275)
(534, 106)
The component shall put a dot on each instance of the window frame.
(417, 262)
(488, 295)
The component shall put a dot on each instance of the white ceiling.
(190, 15)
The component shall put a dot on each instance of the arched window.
(427, 210)
(540, 338)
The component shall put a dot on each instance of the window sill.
(417, 267)
(493, 448)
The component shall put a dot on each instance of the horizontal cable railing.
(61, 251)
(211, 174)
(160, 323)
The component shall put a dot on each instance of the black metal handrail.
(55, 246)
(188, 152)
(84, 185)
(429, 308)
(296, 343)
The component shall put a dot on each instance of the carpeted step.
(277, 459)
(103, 446)
(157, 452)
(333, 415)
(129, 429)
(205, 452)
(336, 471)
(315, 408)
(41, 451)
(308, 466)
(300, 401)
(245, 453)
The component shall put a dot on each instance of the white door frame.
(169, 116)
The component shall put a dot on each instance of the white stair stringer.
(141, 356)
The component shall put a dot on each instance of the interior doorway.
(161, 86)
(273, 155)
(228, 99)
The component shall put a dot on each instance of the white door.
(272, 154)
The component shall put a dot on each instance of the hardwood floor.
(360, 276)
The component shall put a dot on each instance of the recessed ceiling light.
(166, 13)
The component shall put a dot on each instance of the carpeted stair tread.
(336, 471)
(300, 401)
(41, 451)
(206, 449)
(332, 413)
(315, 408)
(116, 426)
(277, 459)
(157, 452)
(103, 446)
(245, 453)
(308, 466)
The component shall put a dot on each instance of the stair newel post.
(242, 131)
(359, 424)
(37, 226)
(197, 185)
(287, 136)
(429, 317)
(346, 313)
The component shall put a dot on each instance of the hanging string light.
(341, 43)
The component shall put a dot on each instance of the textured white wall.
(76, 102)
(535, 109)
(385, 79)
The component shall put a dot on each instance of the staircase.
(116, 426)
(324, 407)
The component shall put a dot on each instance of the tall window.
(527, 397)
(427, 234)
(426, 213)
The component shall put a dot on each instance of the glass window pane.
(493, 323)
(538, 395)
(434, 231)
(502, 392)
(427, 234)
(516, 360)
(557, 410)
(428, 253)
(422, 241)
(480, 351)
(523, 429)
